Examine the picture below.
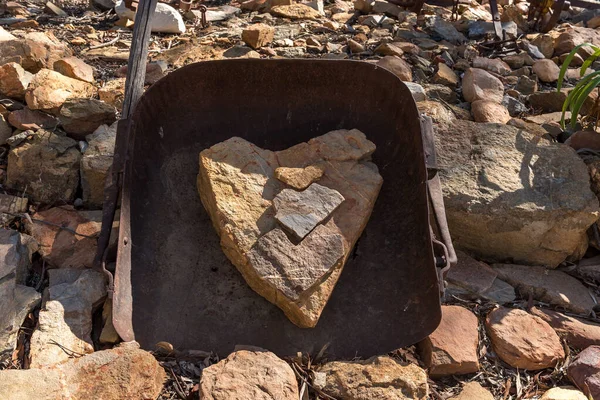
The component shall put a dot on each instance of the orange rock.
(75, 68)
(452, 348)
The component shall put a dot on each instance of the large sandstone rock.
(554, 287)
(16, 300)
(95, 164)
(73, 246)
(122, 373)
(81, 117)
(249, 375)
(258, 35)
(584, 371)
(452, 348)
(35, 51)
(579, 333)
(478, 84)
(14, 80)
(378, 378)
(247, 226)
(523, 340)
(48, 90)
(295, 12)
(45, 167)
(66, 316)
(512, 195)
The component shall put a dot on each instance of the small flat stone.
(550, 286)
(292, 269)
(523, 340)
(471, 274)
(300, 212)
(452, 348)
(473, 391)
(579, 333)
(584, 371)
(563, 393)
(299, 178)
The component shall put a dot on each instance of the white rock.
(166, 19)
(417, 91)
(4, 35)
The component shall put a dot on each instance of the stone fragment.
(14, 80)
(292, 270)
(584, 371)
(17, 300)
(109, 334)
(46, 168)
(389, 9)
(154, 72)
(364, 6)
(547, 101)
(479, 29)
(545, 43)
(563, 393)
(526, 85)
(12, 204)
(5, 130)
(75, 68)
(397, 66)
(584, 140)
(471, 274)
(258, 35)
(249, 375)
(417, 91)
(113, 93)
(445, 30)
(236, 166)
(500, 206)
(48, 90)
(512, 13)
(27, 118)
(4, 35)
(495, 65)
(489, 111)
(515, 107)
(301, 212)
(95, 164)
(81, 117)
(590, 267)
(452, 348)
(389, 49)
(299, 178)
(523, 340)
(66, 317)
(295, 12)
(66, 248)
(579, 333)
(546, 70)
(240, 52)
(473, 391)
(165, 19)
(35, 51)
(445, 76)
(554, 287)
(517, 61)
(355, 47)
(439, 112)
(478, 84)
(122, 373)
(378, 378)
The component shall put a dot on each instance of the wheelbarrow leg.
(555, 15)
(134, 88)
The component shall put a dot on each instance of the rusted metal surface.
(173, 283)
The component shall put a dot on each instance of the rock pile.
(296, 273)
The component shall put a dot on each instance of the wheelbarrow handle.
(443, 249)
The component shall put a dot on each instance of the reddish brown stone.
(584, 140)
(523, 340)
(578, 332)
(471, 274)
(14, 80)
(26, 118)
(397, 66)
(452, 348)
(584, 371)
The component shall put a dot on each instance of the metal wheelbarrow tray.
(173, 283)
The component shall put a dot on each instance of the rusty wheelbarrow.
(172, 281)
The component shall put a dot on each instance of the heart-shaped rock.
(237, 186)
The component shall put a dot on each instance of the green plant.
(584, 87)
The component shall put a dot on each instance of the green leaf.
(565, 66)
(574, 93)
(589, 61)
(582, 96)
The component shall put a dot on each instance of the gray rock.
(66, 317)
(510, 195)
(104, 5)
(291, 270)
(5, 130)
(16, 300)
(223, 13)
(81, 117)
(95, 163)
(526, 85)
(389, 9)
(445, 30)
(532, 50)
(480, 29)
(441, 92)
(514, 106)
(417, 91)
(301, 212)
